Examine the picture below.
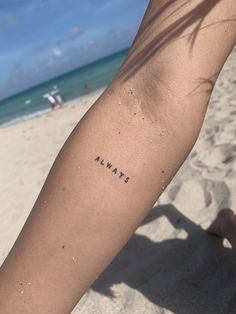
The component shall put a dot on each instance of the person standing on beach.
(53, 102)
(120, 157)
(87, 89)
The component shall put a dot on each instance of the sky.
(41, 39)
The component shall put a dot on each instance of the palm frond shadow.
(175, 30)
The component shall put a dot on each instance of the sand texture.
(170, 265)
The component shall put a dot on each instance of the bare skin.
(144, 126)
(224, 226)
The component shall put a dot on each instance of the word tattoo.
(114, 170)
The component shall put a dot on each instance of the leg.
(120, 157)
(224, 226)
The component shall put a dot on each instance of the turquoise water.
(71, 85)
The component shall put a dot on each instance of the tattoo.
(109, 165)
(114, 170)
(126, 180)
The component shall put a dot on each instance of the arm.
(120, 157)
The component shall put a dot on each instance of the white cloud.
(76, 31)
(92, 42)
(57, 52)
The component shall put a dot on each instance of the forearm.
(88, 209)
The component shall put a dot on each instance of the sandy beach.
(170, 265)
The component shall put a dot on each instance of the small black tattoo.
(127, 180)
(109, 165)
(113, 169)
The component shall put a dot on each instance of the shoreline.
(48, 110)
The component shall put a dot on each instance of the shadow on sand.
(194, 275)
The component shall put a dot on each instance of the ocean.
(31, 103)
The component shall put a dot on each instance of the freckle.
(63, 246)
(63, 188)
(118, 132)
(163, 171)
(21, 284)
(134, 113)
(143, 118)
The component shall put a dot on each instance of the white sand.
(170, 265)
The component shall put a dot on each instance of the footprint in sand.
(219, 155)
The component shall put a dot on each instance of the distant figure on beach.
(120, 158)
(87, 89)
(60, 99)
(53, 101)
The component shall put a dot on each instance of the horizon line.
(61, 75)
